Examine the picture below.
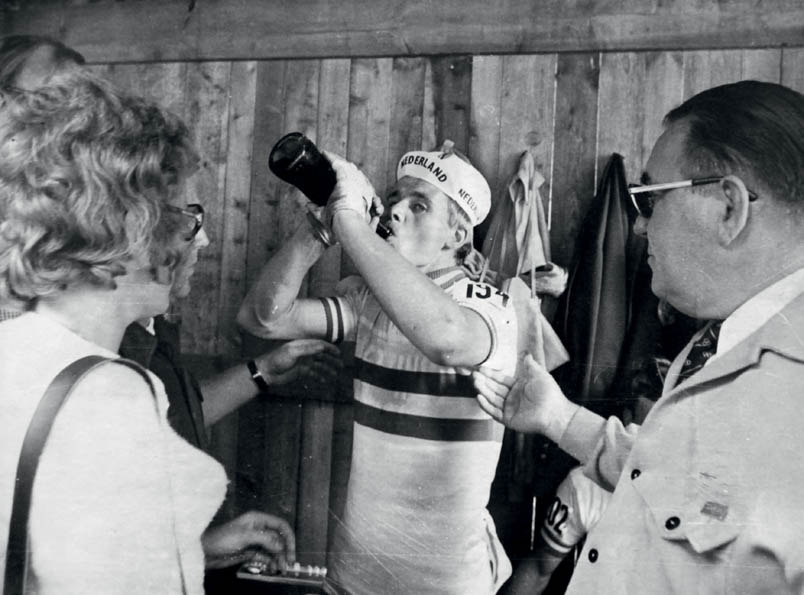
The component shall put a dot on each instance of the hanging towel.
(519, 225)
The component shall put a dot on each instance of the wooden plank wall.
(165, 30)
(570, 110)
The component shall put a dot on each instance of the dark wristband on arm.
(257, 377)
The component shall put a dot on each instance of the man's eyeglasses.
(194, 216)
(644, 196)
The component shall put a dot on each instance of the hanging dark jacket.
(608, 290)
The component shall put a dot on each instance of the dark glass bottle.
(296, 160)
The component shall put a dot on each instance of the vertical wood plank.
(528, 116)
(405, 133)
(637, 89)
(762, 65)
(232, 289)
(429, 139)
(575, 149)
(301, 114)
(249, 479)
(370, 85)
(664, 87)
(793, 68)
(264, 237)
(342, 433)
(283, 443)
(264, 234)
(331, 134)
(486, 118)
(312, 517)
(207, 112)
(237, 189)
(452, 92)
(370, 98)
(706, 69)
(620, 102)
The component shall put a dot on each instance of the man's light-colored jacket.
(710, 496)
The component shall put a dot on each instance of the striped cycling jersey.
(424, 453)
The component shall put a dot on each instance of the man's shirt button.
(593, 555)
(672, 523)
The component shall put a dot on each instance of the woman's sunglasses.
(194, 214)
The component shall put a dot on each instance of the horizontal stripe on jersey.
(426, 428)
(439, 384)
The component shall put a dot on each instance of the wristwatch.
(256, 376)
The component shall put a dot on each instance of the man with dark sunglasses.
(707, 492)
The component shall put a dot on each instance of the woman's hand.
(251, 536)
(532, 402)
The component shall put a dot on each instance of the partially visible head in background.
(88, 176)
(29, 61)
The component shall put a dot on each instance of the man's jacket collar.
(782, 334)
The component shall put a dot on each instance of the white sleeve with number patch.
(498, 312)
(577, 507)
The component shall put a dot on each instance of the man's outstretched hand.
(532, 402)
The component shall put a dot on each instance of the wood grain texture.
(486, 116)
(429, 112)
(620, 98)
(342, 434)
(237, 190)
(255, 424)
(792, 70)
(485, 121)
(528, 124)
(370, 92)
(312, 515)
(664, 87)
(710, 68)
(174, 30)
(452, 88)
(331, 135)
(574, 151)
(763, 65)
(207, 115)
(269, 126)
(285, 443)
(370, 101)
(407, 111)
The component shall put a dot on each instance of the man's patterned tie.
(704, 348)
